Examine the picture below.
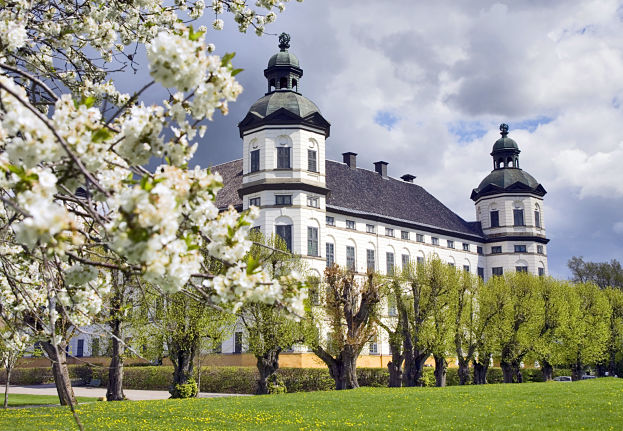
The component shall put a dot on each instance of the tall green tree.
(615, 342)
(270, 328)
(587, 331)
(349, 312)
(603, 274)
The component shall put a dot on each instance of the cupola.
(283, 72)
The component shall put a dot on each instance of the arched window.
(271, 85)
(537, 216)
(283, 83)
(283, 229)
(295, 85)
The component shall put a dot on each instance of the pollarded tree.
(73, 151)
(348, 312)
(587, 331)
(517, 325)
(553, 315)
(615, 342)
(269, 327)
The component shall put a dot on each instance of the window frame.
(450, 243)
(312, 241)
(496, 249)
(404, 234)
(518, 215)
(330, 221)
(370, 260)
(497, 271)
(350, 224)
(330, 254)
(496, 218)
(389, 231)
(286, 200)
(313, 202)
(370, 228)
(351, 260)
(287, 236)
(282, 154)
(419, 237)
(256, 201)
(313, 160)
(254, 162)
(434, 240)
(521, 268)
(466, 246)
(390, 269)
(520, 248)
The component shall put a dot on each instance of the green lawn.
(33, 400)
(593, 404)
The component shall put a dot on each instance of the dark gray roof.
(506, 177)
(283, 58)
(505, 144)
(232, 180)
(365, 193)
(293, 102)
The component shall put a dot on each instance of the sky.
(424, 86)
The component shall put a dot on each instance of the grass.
(16, 400)
(590, 405)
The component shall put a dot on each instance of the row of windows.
(283, 159)
(519, 248)
(370, 228)
(499, 271)
(285, 200)
(518, 218)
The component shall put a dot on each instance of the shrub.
(185, 390)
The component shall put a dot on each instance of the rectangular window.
(312, 166)
(392, 310)
(330, 221)
(312, 201)
(312, 241)
(374, 348)
(389, 231)
(481, 273)
(255, 160)
(479, 250)
(370, 260)
(405, 261)
(518, 217)
(420, 260)
(80, 349)
(520, 248)
(350, 258)
(404, 234)
(370, 228)
(539, 249)
(330, 254)
(350, 224)
(238, 342)
(285, 232)
(434, 240)
(450, 244)
(419, 237)
(283, 199)
(389, 259)
(466, 268)
(521, 268)
(541, 272)
(314, 295)
(255, 202)
(495, 219)
(537, 219)
(497, 249)
(283, 158)
(465, 246)
(498, 270)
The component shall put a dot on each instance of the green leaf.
(236, 72)
(101, 135)
(146, 184)
(227, 58)
(88, 101)
(195, 35)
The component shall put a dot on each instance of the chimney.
(408, 178)
(350, 159)
(381, 168)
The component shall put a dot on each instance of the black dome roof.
(293, 102)
(283, 58)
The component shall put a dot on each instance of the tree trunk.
(612, 363)
(548, 371)
(343, 369)
(9, 368)
(601, 370)
(507, 371)
(441, 366)
(577, 370)
(480, 372)
(60, 372)
(114, 391)
(414, 368)
(517, 372)
(463, 371)
(267, 365)
(183, 359)
(395, 366)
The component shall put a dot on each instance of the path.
(82, 391)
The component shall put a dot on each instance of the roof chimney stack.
(350, 159)
(408, 178)
(381, 168)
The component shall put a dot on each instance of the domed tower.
(509, 207)
(283, 138)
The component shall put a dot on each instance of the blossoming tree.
(77, 201)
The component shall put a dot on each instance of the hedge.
(241, 380)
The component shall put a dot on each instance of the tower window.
(272, 85)
(537, 218)
(495, 218)
(497, 249)
(481, 272)
(283, 83)
(283, 199)
(541, 272)
(295, 85)
(521, 269)
(497, 271)
(255, 160)
(283, 158)
(518, 217)
(466, 268)
(312, 165)
(312, 241)
(312, 201)
(255, 202)
(520, 248)
(539, 249)
(285, 232)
